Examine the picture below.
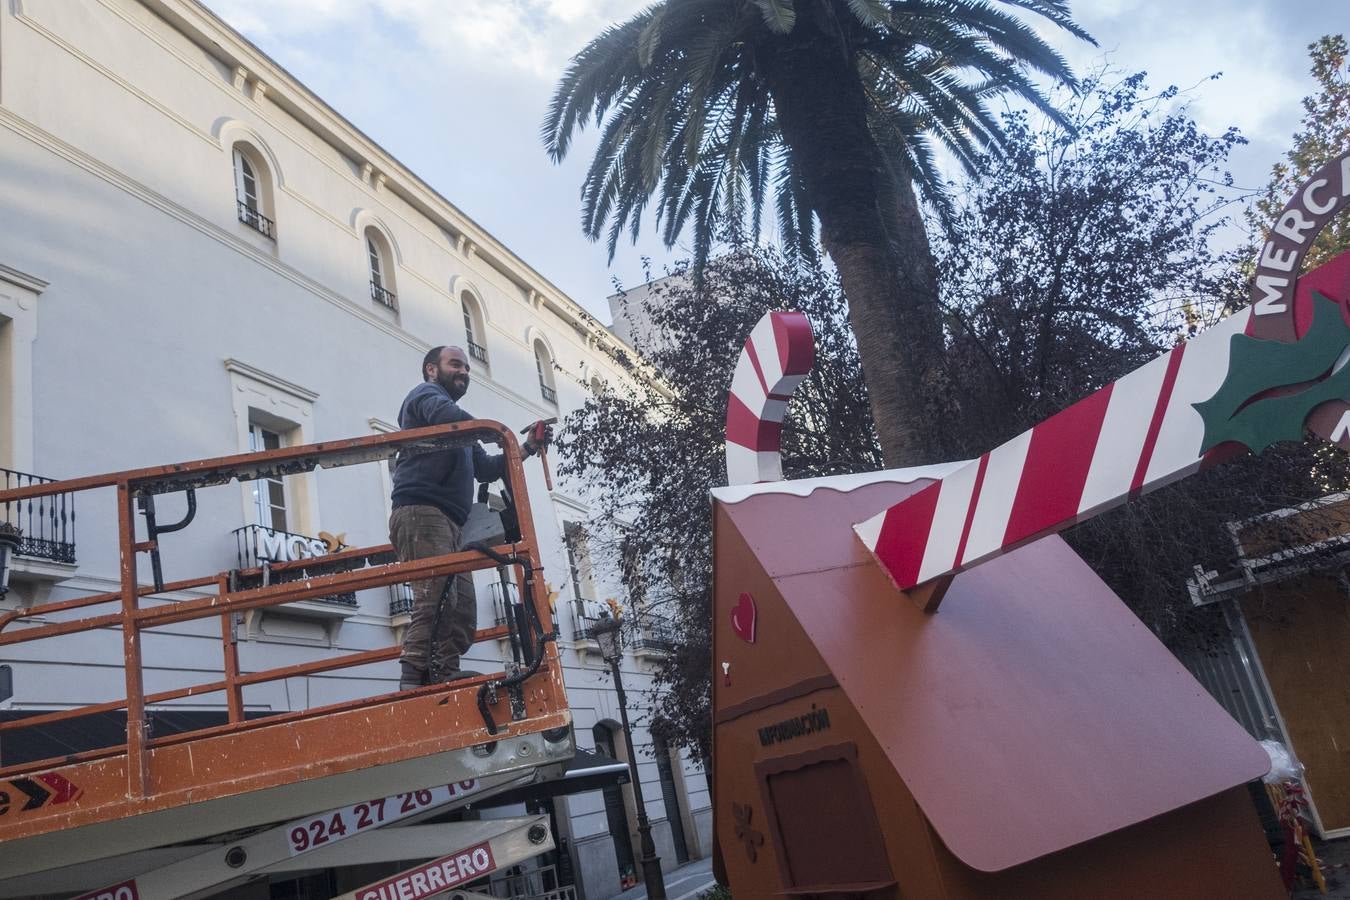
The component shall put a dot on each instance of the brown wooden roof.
(1031, 713)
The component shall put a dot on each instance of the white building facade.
(198, 257)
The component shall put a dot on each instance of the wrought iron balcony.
(257, 221)
(586, 614)
(549, 393)
(257, 546)
(654, 635)
(48, 522)
(478, 352)
(584, 624)
(383, 295)
(400, 600)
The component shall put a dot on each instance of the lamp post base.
(653, 879)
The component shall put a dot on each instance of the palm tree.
(830, 110)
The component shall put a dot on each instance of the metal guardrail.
(383, 296)
(47, 521)
(478, 352)
(548, 393)
(257, 221)
(348, 570)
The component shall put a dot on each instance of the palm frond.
(650, 36)
(779, 15)
(873, 13)
(681, 97)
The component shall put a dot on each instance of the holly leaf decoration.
(1272, 386)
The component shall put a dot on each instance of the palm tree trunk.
(888, 274)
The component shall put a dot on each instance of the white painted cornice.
(272, 381)
(247, 63)
(22, 279)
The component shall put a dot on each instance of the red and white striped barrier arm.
(779, 354)
(1131, 436)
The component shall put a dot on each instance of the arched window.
(253, 191)
(381, 263)
(474, 337)
(543, 364)
(597, 386)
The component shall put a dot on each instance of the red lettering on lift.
(434, 877)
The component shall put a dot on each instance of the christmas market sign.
(1270, 372)
(1280, 312)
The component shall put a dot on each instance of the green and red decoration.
(1269, 373)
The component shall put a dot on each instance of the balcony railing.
(478, 352)
(586, 614)
(47, 522)
(383, 295)
(400, 600)
(584, 625)
(256, 546)
(549, 393)
(654, 634)
(257, 221)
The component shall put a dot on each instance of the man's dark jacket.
(443, 479)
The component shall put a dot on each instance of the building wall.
(142, 323)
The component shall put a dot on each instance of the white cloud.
(533, 38)
(1185, 47)
(457, 89)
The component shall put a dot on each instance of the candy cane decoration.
(778, 355)
(1131, 436)
(1262, 375)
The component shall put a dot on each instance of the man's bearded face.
(453, 372)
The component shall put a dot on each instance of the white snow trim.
(737, 492)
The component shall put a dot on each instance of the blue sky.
(456, 90)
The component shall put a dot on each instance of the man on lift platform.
(432, 495)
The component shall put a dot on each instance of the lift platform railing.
(501, 695)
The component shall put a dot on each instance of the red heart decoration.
(743, 618)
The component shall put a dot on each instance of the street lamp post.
(608, 634)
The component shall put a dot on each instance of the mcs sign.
(282, 546)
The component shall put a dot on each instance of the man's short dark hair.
(433, 358)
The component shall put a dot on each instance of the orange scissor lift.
(191, 813)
